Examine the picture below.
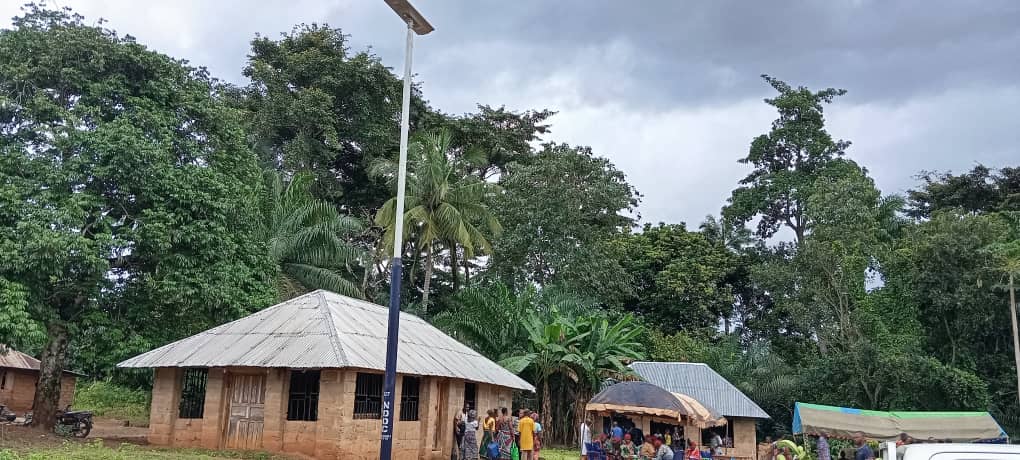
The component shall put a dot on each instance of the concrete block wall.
(214, 412)
(163, 408)
(18, 391)
(336, 433)
(745, 442)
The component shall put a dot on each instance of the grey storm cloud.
(711, 52)
(668, 90)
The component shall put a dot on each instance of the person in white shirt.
(717, 444)
(585, 438)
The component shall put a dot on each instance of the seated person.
(648, 448)
(662, 451)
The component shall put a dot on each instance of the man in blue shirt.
(863, 449)
(617, 431)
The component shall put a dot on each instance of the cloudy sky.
(669, 90)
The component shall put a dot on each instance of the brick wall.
(745, 442)
(67, 383)
(18, 390)
(163, 409)
(336, 434)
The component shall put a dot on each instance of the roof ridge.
(331, 332)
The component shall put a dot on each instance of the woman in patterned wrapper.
(469, 449)
(505, 434)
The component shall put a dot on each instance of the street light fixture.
(416, 24)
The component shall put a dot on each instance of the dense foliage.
(141, 201)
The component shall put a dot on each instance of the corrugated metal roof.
(700, 382)
(11, 358)
(326, 330)
(14, 359)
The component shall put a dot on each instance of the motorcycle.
(6, 415)
(78, 423)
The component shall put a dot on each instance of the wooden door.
(443, 435)
(247, 411)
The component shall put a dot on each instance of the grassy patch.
(109, 400)
(560, 454)
(95, 450)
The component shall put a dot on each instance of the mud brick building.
(305, 376)
(19, 374)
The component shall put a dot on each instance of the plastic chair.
(595, 451)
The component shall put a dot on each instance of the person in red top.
(692, 451)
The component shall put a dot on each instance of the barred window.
(192, 403)
(409, 399)
(368, 396)
(3, 379)
(470, 392)
(303, 403)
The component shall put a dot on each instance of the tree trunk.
(453, 267)
(546, 400)
(428, 279)
(467, 271)
(51, 369)
(1016, 337)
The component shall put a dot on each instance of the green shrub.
(106, 399)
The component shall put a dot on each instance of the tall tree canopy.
(983, 189)
(317, 106)
(559, 211)
(786, 161)
(126, 190)
(679, 277)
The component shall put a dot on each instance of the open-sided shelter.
(700, 382)
(843, 422)
(305, 376)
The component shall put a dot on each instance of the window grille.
(368, 396)
(409, 399)
(192, 403)
(303, 403)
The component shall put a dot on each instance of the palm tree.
(585, 350)
(605, 349)
(444, 203)
(552, 348)
(306, 238)
(731, 235)
(494, 320)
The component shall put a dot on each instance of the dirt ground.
(111, 431)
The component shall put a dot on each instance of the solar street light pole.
(416, 24)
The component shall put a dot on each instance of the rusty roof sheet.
(15, 359)
(327, 330)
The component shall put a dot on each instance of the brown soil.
(111, 431)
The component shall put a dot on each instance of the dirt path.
(111, 431)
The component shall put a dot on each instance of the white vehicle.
(951, 452)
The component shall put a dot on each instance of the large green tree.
(318, 106)
(560, 211)
(679, 278)
(786, 162)
(125, 190)
(501, 136)
(981, 190)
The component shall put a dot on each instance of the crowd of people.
(632, 444)
(501, 434)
